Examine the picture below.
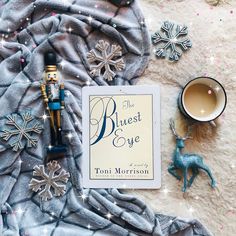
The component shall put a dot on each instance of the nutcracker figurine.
(53, 96)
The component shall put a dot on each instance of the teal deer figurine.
(184, 162)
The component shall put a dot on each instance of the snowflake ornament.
(170, 38)
(106, 59)
(23, 131)
(49, 181)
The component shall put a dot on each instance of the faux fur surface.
(213, 34)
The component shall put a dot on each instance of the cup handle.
(213, 123)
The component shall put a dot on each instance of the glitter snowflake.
(49, 181)
(106, 61)
(169, 39)
(23, 131)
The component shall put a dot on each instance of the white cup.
(214, 87)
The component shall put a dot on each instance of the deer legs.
(187, 183)
(195, 173)
(185, 179)
(206, 168)
(172, 170)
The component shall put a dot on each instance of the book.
(121, 137)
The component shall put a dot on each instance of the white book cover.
(121, 137)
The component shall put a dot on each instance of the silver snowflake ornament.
(169, 39)
(106, 59)
(50, 181)
(21, 131)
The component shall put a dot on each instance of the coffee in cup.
(203, 99)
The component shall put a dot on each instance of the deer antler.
(172, 126)
(187, 136)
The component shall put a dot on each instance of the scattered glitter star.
(212, 59)
(209, 92)
(90, 18)
(44, 117)
(20, 161)
(142, 22)
(70, 29)
(165, 190)
(69, 136)
(62, 64)
(89, 226)
(49, 147)
(174, 40)
(19, 211)
(87, 83)
(67, 93)
(109, 215)
(83, 197)
(22, 60)
(232, 166)
(191, 210)
(217, 89)
(202, 111)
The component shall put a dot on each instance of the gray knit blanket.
(70, 28)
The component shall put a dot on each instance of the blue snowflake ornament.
(21, 130)
(171, 37)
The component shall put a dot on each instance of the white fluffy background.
(213, 34)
